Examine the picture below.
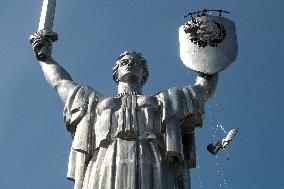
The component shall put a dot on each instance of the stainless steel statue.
(130, 141)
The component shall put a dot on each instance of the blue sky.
(92, 33)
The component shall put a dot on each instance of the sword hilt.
(44, 34)
(41, 42)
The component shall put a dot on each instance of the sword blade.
(47, 15)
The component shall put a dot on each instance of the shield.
(208, 44)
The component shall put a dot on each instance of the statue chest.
(134, 102)
(128, 117)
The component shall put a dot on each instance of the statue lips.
(130, 74)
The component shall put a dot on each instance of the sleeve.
(79, 116)
(182, 111)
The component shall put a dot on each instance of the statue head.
(130, 67)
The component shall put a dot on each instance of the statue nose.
(130, 63)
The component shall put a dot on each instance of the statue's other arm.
(205, 85)
(57, 77)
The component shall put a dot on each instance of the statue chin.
(129, 78)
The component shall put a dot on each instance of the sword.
(47, 15)
(46, 22)
(45, 27)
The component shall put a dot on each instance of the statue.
(130, 141)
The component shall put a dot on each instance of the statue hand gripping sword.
(44, 37)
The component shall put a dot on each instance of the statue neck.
(129, 88)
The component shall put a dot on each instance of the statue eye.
(136, 62)
(124, 62)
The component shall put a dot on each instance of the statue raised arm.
(57, 77)
(41, 41)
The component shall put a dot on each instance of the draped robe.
(132, 141)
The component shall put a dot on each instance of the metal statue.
(130, 141)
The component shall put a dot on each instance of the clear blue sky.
(34, 142)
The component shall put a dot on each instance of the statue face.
(130, 70)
